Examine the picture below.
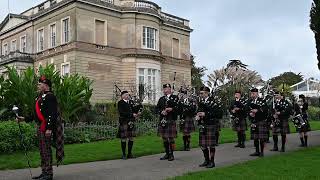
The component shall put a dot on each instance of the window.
(40, 40)
(23, 44)
(175, 48)
(5, 49)
(53, 36)
(65, 30)
(41, 7)
(13, 45)
(148, 83)
(65, 69)
(149, 40)
(52, 2)
(100, 32)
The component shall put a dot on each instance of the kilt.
(169, 131)
(261, 131)
(125, 131)
(242, 126)
(282, 129)
(188, 126)
(305, 128)
(208, 138)
(45, 152)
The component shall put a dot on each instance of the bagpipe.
(252, 114)
(237, 106)
(299, 120)
(187, 104)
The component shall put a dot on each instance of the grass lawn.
(303, 164)
(108, 150)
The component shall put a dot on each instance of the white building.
(308, 87)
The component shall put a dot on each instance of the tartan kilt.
(169, 131)
(305, 128)
(208, 138)
(282, 129)
(242, 126)
(124, 131)
(261, 131)
(188, 125)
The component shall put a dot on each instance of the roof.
(9, 16)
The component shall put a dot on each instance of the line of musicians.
(207, 111)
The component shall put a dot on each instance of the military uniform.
(280, 125)
(188, 109)
(167, 128)
(301, 110)
(239, 123)
(48, 118)
(259, 125)
(208, 127)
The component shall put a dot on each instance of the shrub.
(314, 113)
(10, 136)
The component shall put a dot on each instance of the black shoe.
(282, 149)
(38, 177)
(274, 149)
(47, 177)
(188, 149)
(301, 145)
(211, 165)
(130, 156)
(124, 157)
(242, 146)
(261, 155)
(238, 145)
(255, 154)
(165, 157)
(204, 164)
(171, 157)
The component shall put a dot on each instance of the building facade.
(131, 43)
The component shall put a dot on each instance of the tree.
(288, 78)
(315, 25)
(196, 75)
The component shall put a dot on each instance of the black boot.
(239, 140)
(184, 143)
(211, 163)
(275, 143)
(283, 139)
(243, 140)
(217, 137)
(130, 145)
(46, 177)
(261, 148)
(38, 177)
(302, 142)
(305, 141)
(188, 143)
(123, 148)
(171, 157)
(206, 158)
(268, 141)
(256, 144)
(166, 147)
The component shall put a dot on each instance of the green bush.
(10, 136)
(314, 113)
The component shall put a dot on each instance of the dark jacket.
(212, 109)
(125, 111)
(262, 108)
(171, 102)
(284, 107)
(241, 113)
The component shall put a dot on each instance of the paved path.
(151, 168)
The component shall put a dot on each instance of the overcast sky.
(271, 36)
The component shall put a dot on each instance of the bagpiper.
(127, 118)
(280, 123)
(167, 108)
(301, 121)
(49, 128)
(188, 108)
(257, 111)
(209, 111)
(238, 117)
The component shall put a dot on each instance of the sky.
(271, 36)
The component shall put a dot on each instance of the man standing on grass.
(280, 124)
(258, 112)
(208, 114)
(126, 124)
(49, 127)
(167, 108)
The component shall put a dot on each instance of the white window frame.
(38, 40)
(62, 31)
(50, 36)
(21, 44)
(15, 45)
(156, 38)
(105, 33)
(5, 50)
(62, 70)
(179, 51)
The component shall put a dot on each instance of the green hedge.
(10, 140)
(314, 113)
